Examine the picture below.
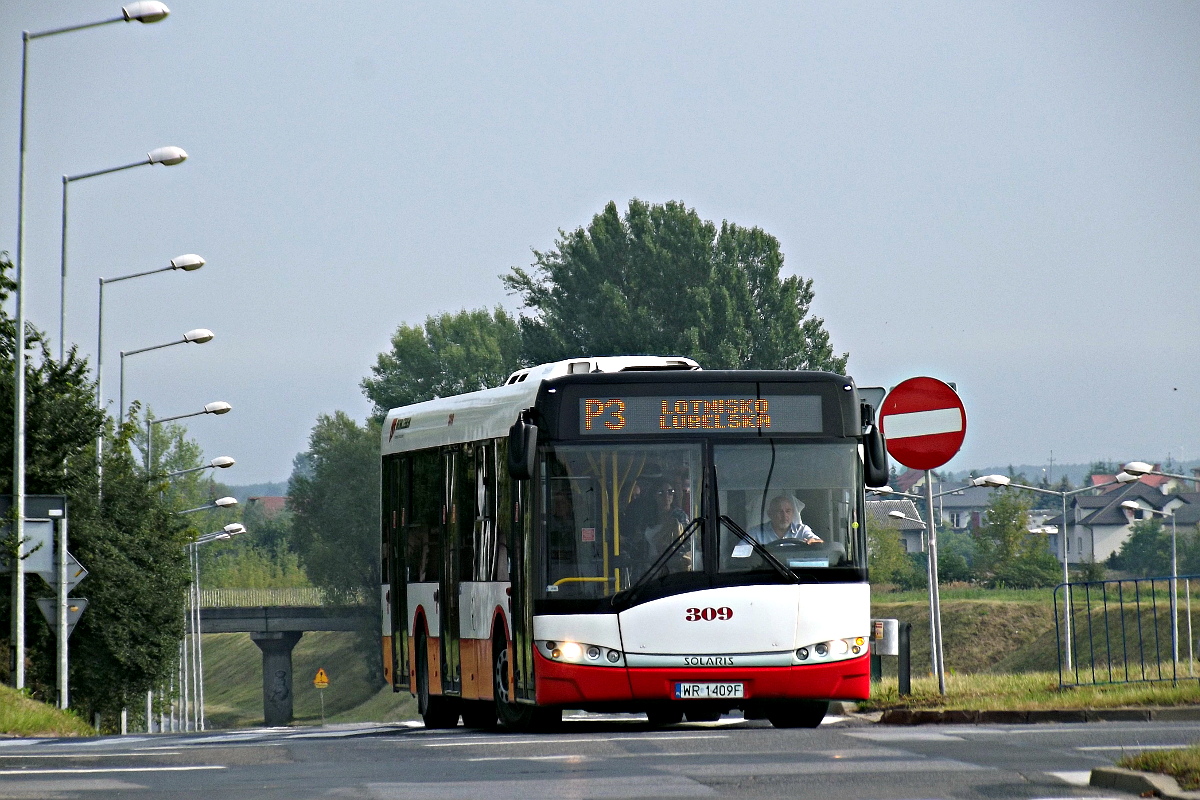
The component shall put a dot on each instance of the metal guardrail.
(1120, 631)
(300, 596)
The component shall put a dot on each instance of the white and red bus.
(629, 534)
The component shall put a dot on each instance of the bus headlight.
(581, 653)
(832, 650)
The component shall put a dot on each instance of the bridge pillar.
(277, 674)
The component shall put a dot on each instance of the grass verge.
(21, 716)
(233, 682)
(1026, 692)
(1183, 765)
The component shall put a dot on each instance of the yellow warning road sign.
(321, 680)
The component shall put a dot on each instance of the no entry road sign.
(924, 423)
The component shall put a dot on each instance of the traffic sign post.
(321, 681)
(924, 423)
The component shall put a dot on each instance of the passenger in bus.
(783, 522)
(560, 527)
(667, 522)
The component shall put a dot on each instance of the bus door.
(449, 588)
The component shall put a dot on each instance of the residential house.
(911, 529)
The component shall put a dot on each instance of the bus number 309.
(708, 614)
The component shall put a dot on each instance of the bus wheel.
(798, 713)
(513, 715)
(435, 710)
(660, 716)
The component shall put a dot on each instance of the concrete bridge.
(276, 630)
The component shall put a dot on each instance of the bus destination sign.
(607, 416)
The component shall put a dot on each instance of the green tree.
(887, 560)
(1007, 554)
(660, 280)
(128, 540)
(335, 505)
(1147, 551)
(956, 555)
(133, 544)
(334, 496)
(450, 354)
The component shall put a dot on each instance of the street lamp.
(227, 532)
(194, 336)
(167, 156)
(141, 11)
(1130, 505)
(216, 407)
(220, 462)
(220, 502)
(998, 481)
(189, 262)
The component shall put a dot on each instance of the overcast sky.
(1000, 195)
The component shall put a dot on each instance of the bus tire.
(661, 716)
(513, 715)
(435, 710)
(798, 713)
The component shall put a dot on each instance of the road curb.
(1143, 784)
(908, 716)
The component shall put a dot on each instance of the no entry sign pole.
(935, 599)
(924, 423)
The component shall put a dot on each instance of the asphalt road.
(590, 757)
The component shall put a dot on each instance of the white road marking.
(143, 754)
(905, 736)
(1120, 747)
(1081, 777)
(572, 740)
(104, 770)
(573, 758)
(113, 740)
(922, 423)
(615, 788)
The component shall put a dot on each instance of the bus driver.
(783, 514)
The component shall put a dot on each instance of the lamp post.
(167, 156)
(195, 336)
(188, 262)
(141, 11)
(215, 407)
(1130, 505)
(1000, 481)
(220, 462)
(220, 502)
(197, 650)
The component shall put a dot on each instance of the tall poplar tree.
(660, 280)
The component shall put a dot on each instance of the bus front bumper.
(574, 685)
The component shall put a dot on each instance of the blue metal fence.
(1123, 631)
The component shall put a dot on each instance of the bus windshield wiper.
(662, 559)
(762, 551)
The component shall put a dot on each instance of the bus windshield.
(797, 500)
(612, 513)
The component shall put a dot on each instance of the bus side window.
(504, 510)
(464, 513)
(424, 557)
(484, 517)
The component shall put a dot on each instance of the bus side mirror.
(875, 462)
(522, 450)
